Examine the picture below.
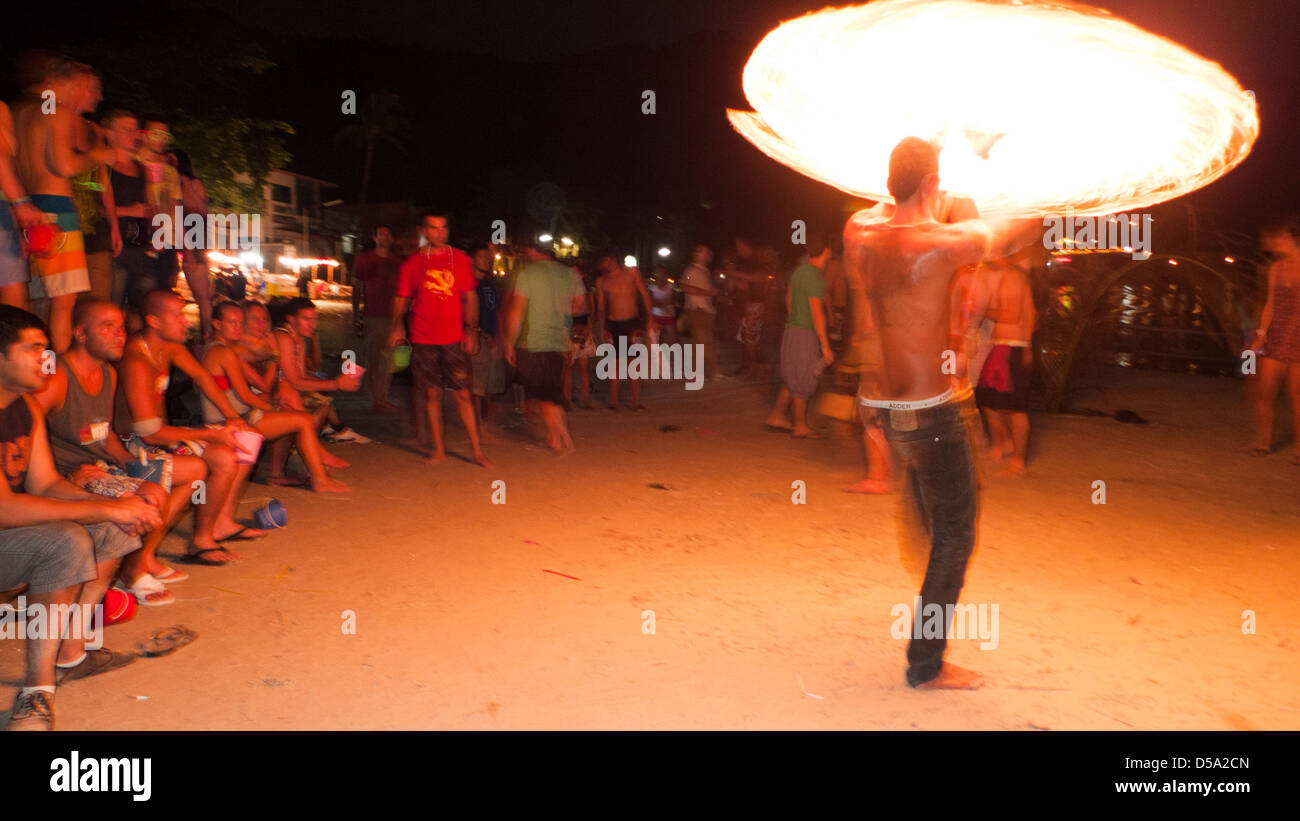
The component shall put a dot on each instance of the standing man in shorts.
(47, 160)
(437, 286)
(545, 298)
(14, 217)
(620, 294)
(1003, 390)
(701, 313)
(805, 348)
(376, 273)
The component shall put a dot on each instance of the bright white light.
(829, 102)
(663, 252)
(249, 258)
(629, 261)
(566, 242)
(545, 238)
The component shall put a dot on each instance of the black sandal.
(197, 558)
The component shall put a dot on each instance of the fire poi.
(1039, 107)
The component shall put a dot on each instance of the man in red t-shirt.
(437, 285)
(376, 276)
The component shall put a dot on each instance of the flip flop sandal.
(166, 641)
(238, 536)
(812, 435)
(776, 429)
(172, 576)
(197, 558)
(146, 586)
(1256, 450)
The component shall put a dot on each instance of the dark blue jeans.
(940, 496)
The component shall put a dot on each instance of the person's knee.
(186, 469)
(220, 459)
(70, 537)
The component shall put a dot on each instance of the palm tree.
(381, 120)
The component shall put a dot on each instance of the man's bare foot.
(214, 555)
(384, 407)
(233, 530)
(878, 486)
(777, 423)
(329, 485)
(482, 461)
(1012, 467)
(952, 677)
(614, 408)
(163, 573)
(638, 407)
(436, 458)
(332, 461)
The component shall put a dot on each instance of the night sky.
(504, 96)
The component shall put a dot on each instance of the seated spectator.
(260, 362)
(223, 362)
(61, 541)
(298, 370)
(78, 404)
(145, 374)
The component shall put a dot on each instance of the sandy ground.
(766, 614)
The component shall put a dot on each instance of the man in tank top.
(78, 401)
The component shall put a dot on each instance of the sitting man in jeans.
(907, 266)
(62, 542)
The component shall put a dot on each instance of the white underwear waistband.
(914, 404)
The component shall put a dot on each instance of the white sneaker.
(349, 435)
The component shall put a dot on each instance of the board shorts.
(750, 331)
(135, 445)
(62, 269)
(13, 262)
(487, 369)
(542, 375)
(440, 366)
(116, 484)
(1004, 380)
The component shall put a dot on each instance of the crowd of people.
(922, 312)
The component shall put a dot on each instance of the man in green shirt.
(538, 318)
(805, 349)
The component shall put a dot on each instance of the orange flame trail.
(1039, 107)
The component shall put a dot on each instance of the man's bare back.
(622, 289)
(907, 271)
(34, 161)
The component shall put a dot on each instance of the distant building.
(303, 220)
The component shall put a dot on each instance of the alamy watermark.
(219, 232)
(67, 621)
(1110, 232)
(952, 621)
(653, 361)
